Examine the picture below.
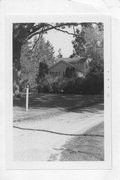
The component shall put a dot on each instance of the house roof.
(73, 62)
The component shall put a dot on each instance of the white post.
(27, 97)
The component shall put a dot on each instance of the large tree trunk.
(16, 66)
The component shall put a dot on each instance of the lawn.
(85, 148)
(46, 105)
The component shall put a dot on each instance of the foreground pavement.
(39, 140)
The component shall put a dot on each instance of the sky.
(61, 40)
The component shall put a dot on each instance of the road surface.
(42, 140)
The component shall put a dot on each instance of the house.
(81, 66)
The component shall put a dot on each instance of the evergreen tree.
(42, 84)
(59, 53)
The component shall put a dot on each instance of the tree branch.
(50, 27)
(63, 30)
(35, 43)
(74, 29)
(40, 35)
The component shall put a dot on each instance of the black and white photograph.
(58, 91)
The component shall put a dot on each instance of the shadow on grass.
(66, 102)
(94, 109)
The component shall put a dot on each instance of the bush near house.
(89, 85)
(48, 84)
(92, 85)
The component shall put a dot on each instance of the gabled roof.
(62, 62)
(71, 62)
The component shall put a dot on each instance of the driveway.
(39, 140)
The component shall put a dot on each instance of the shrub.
(92, 85)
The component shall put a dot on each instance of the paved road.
(31, 145)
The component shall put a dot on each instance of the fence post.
(27, 97)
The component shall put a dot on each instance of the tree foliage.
(89, 41)
(43, 51)
(43, 70)
(70, 72)
(31, 59)
(59, 53)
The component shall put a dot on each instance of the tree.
(30, 60)
(40, 78)
(23, 32)
(89, 44)
(43, 51)
(70, 72)
(43, 70)
(89, 40)
(59, 53)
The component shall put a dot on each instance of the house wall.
(60, 68)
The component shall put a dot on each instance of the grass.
(86, 148)
(46, 105)
(65, 101)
